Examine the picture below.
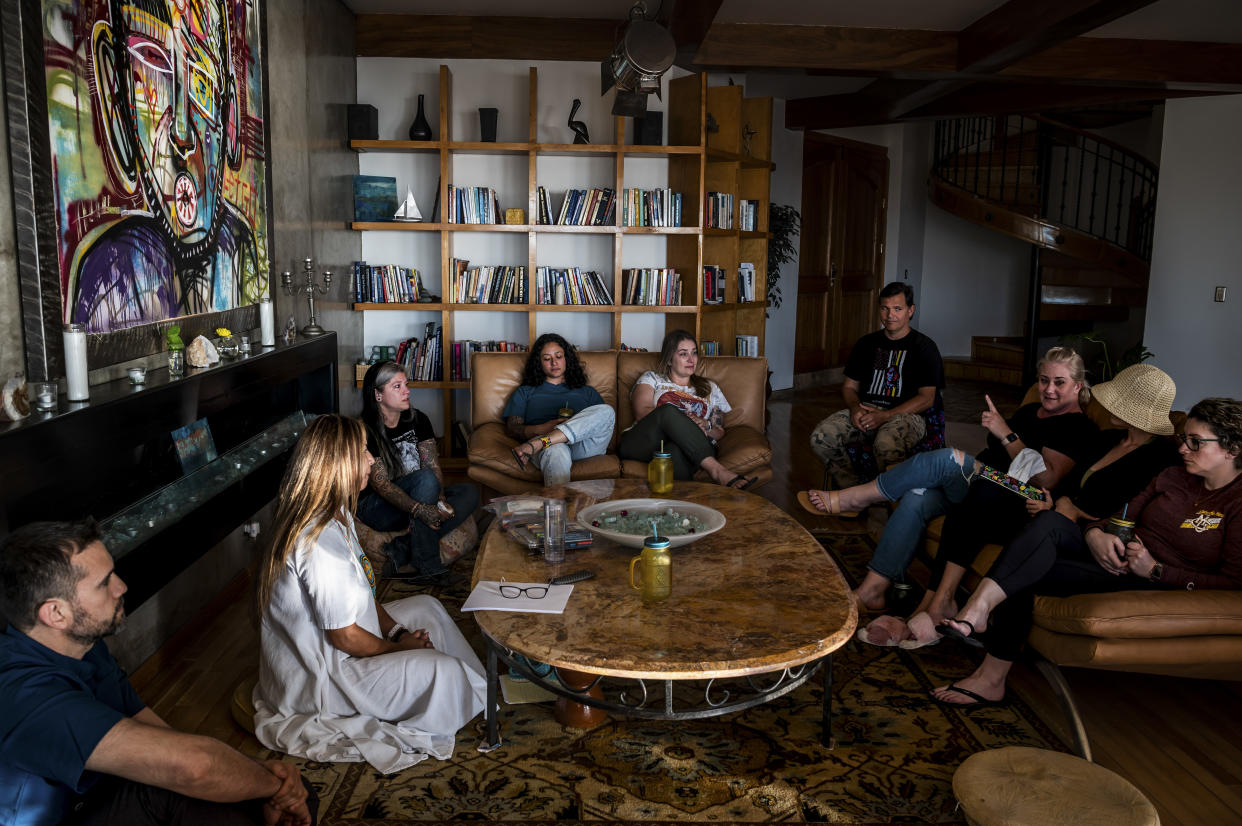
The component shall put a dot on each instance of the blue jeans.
(421, 546)
(588, 432)
(927, 485)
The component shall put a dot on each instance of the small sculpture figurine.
(580, 129)
(747, 134)
(291, 330)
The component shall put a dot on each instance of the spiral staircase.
(1086, 206)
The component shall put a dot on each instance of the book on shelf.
(708, 347)
(713, 284)
(651, 208)
(651, 287)
(486, 285)
(719, 210)
(745, 282)
(421, 360)
(572, 285)
(388, 284)
(746, 345)
(587, 208)
(463, 349)
(461, 438)
(544, 214)
(747, 215)
(473, 205)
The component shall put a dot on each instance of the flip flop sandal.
(970, 639)
(834, 505)
(732, 483)
(979, 700)
(521, 460)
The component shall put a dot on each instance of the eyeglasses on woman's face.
(1193, 442)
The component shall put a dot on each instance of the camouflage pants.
(833, 439)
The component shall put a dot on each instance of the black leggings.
(1048, 557)
(988, 514)
(684, 439)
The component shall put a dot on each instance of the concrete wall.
(12, 359)
(1198, 247)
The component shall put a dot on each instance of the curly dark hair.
(532, 373)
(1224, 417)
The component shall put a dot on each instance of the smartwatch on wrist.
(1157, 571)
(1010, 439)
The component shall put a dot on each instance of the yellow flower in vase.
(224, 332)
(226, 344)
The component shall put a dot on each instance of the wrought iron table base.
(788, 680)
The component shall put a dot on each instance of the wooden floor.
(1179, 741)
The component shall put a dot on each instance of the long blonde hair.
(1077, 370)
(322, 478)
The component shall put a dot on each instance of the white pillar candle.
(267, 323)
(75, 363)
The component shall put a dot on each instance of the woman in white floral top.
(683, 411)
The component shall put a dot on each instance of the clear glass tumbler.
(554, 531)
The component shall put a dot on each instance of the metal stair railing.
(1051, 171)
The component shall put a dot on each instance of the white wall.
(974, 283)
(1197, 247)
(786, 189)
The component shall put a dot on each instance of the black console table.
(114, 458)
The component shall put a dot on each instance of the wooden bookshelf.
(736, 158)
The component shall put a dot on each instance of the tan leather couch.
(744, 448)
(1179, 633)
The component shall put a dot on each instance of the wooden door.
(841, 250)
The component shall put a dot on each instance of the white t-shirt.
(667, 392)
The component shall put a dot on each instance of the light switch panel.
(1220, 294)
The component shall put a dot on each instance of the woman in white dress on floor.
(342, 677)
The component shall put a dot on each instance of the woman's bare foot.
(988, 682)
(525, 451)
(941, 609)
(977, 618)
(870, 592)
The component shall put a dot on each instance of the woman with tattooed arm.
(406, 487)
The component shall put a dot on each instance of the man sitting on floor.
(76, 743)
(892, 387)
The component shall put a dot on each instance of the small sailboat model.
(408, 211)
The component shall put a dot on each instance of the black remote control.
(567, 579)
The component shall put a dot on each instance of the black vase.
(487, 124)
(420, 129)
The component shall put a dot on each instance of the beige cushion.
(1021, 786)
(1143, 614)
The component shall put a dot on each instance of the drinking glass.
(554, 531)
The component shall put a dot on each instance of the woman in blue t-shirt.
(406, 489)
(555, 417)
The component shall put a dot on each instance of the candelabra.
(310, 288)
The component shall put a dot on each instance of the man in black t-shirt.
(892, 390)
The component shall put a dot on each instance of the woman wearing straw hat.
(1065, 550)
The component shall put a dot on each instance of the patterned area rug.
(894, 759)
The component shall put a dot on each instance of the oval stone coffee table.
(758, 604)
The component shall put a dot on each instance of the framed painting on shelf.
(138, 138)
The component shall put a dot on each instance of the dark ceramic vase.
(487, 124)
(420, 130)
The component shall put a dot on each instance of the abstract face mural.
(155, 117)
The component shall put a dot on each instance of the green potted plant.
(784, 225)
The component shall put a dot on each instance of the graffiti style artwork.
(156, 131)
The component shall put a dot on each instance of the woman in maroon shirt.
(1188, 535)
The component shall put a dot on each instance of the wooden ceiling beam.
(835, 48)
(911, 53)
(498, 38)
(1021, 28)
(689, 23)
(996, 98)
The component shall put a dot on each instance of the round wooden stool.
(1019, 786)
(243, 703)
